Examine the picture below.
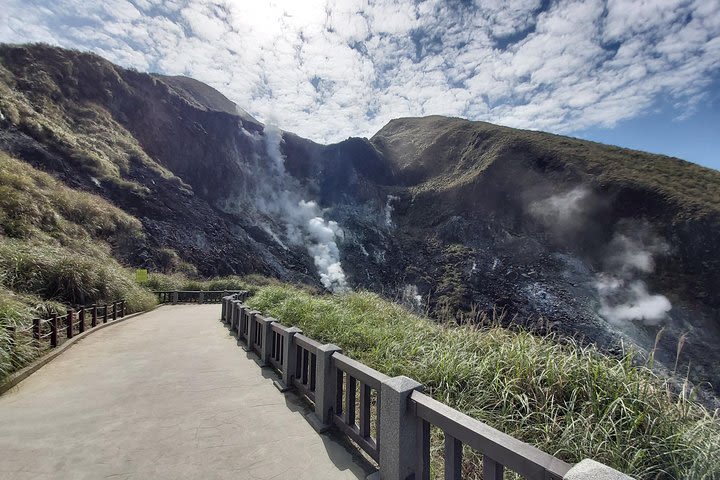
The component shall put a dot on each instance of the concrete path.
(165, 395)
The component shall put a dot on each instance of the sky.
(638, 73)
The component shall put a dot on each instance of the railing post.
(398, 435)
(69, 319)
(325, 386)
(242, 319)
(202, 297)
(266, 348)
(223, 303)
(105, 313)
(233, 314)
(54, 330)
(114, 314)
(81, 321)
(36, 328)
(175, 297)
(122, 308)
(250, 318)
(289, 355)
(93, 321)
(590, 469)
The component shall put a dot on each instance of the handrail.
(524, 459)
(399, 440)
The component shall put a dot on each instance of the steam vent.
(382, 239)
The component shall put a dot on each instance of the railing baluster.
(298, 363)
(364, 423)
(492, 470)
(339, 393)
(313, 365)
(306, 366)
(453, 458)
(423, 439)
(350, 394)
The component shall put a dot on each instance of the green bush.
(568, 400)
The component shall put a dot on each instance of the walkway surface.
(165, 395)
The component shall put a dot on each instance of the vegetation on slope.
(568, 400)
(56, 248)
(45, 97)
(438, 153)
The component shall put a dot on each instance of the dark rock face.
(453, 217)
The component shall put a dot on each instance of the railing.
(193, 296)
(388, 418)
(57, 328)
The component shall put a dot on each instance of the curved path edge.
(13, 379)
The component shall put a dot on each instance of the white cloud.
(328, 69)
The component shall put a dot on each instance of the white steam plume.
(623, 294)
(563, 211)
(278, 196)
(389, 209)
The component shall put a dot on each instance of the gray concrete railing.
(193, 296)
(388, 418)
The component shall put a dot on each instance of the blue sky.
(637, 73)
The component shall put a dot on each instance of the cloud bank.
(330, 69)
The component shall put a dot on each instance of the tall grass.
(569, 400)
(180, 281)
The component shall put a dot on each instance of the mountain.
(466, 220)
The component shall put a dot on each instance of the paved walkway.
(165, 395)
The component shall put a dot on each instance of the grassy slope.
(42, 98)
(441, 153)
(55, 249)
(569, 401)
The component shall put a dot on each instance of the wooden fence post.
(81, 325)
(54, 330)
(93, 322)
(36, 328)
(114, 311)
(105, 313)
(69, 323)
(12, 330)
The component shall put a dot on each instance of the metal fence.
(388, 418)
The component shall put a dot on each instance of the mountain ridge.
(448, 215)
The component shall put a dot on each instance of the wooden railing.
(388, 418)
(193, 296)
(54, 330)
